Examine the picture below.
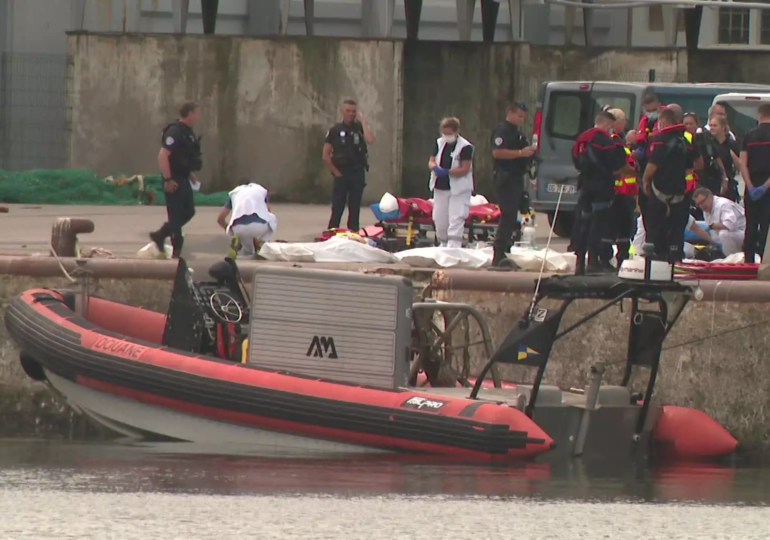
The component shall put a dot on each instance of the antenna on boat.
(545, 253)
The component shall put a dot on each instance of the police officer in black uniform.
(345, 152)
(513, 155)
(179, 158)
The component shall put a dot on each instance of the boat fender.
(32, 367)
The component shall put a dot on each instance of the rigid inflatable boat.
(324, 361)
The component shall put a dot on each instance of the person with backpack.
(664, 183)
(599, 159)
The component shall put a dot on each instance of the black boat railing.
(530, 342)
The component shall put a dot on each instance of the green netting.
(71, 186)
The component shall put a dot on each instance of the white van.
(741, 110)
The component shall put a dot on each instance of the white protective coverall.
(248, 201)
(730, 215)
(451, 207)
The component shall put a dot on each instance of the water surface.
(54, 490)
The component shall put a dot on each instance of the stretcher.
(411, 225)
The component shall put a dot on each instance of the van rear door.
(569, 109)
(565, 113)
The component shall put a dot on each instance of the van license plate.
(565, 188)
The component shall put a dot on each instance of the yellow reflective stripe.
(690, 177)
(630, 180)
(688, 136)
(619, 182)
(628, 150)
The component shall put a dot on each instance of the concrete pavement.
(26, 229)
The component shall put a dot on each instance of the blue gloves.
(756, 193)
(440, 171)
(719, 246)
(638, 153)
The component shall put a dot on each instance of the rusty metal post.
(64, 235)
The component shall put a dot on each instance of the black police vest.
(349, 150)
(189, 157)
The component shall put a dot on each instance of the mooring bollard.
(64, 235)
(4, 209)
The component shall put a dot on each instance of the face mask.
(652, 115)
(449, 139)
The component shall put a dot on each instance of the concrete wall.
(726, 65)
(267, 105)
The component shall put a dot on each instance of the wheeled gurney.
(410, 225)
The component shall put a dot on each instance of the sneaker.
(158, 240)
(235, 247)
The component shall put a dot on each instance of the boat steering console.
(208, 317)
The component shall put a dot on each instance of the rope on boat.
(61, 264)
(545, 253)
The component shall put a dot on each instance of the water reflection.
(179, 468)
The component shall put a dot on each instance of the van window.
(697, 104)
(742, 116)
(624, 102)
(564, 112)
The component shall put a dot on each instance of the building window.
(734, 25)
(764, 36)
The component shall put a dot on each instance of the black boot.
(623, 247)
(580, 264)
(177, 241)
(158, 239)
(500, 262)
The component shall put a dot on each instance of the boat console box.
(340, 326)
(322, 361)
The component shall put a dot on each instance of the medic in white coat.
(250, 221)
(726, 220)
(451, 181)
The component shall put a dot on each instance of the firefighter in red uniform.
(647, 125)
(624, 203)
(668, 202)
(599, 159)
(694, 159)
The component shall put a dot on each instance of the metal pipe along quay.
(155, 269)
(47, 267)
(752, 291)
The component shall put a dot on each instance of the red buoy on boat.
(690, 434)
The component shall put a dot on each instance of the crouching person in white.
(250, 221)
(451, 181)
(725, 219)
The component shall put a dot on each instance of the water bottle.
(528, 236)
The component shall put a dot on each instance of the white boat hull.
(134, 419)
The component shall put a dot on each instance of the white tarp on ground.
(528, 260)
(438, 257)
(341, 249)
(335, 249)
